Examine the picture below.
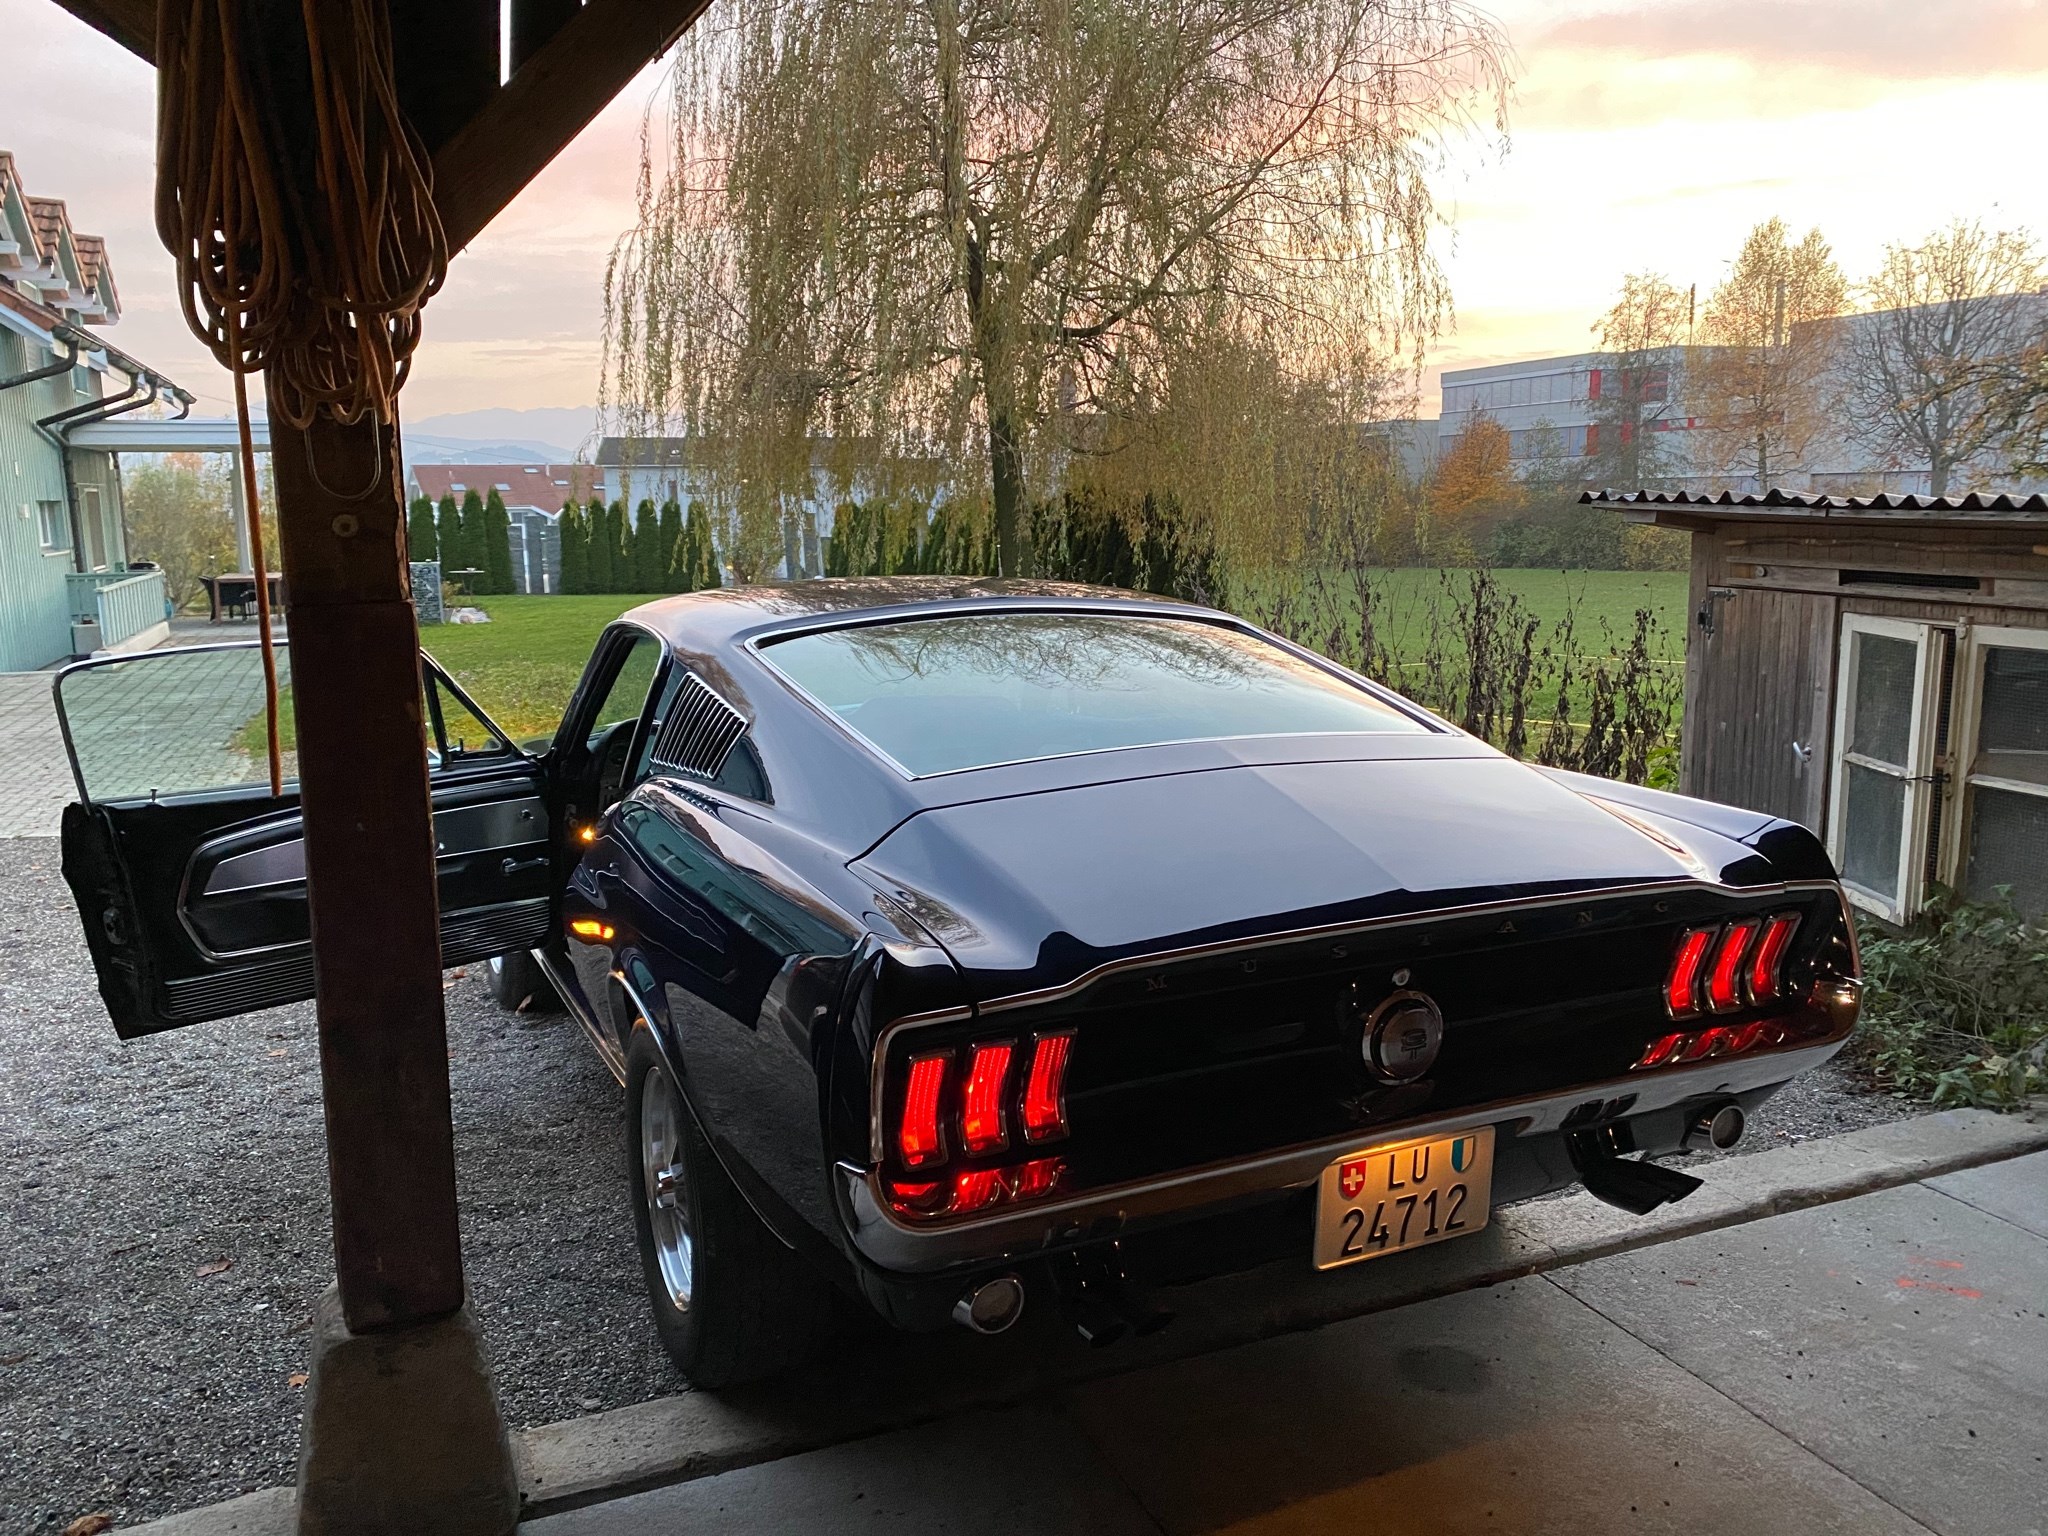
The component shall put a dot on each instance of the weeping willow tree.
(981, 246)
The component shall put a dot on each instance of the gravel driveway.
(134, 1378)
(140, 1377)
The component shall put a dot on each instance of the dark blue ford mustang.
(962, 943)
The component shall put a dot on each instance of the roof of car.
(710, 621)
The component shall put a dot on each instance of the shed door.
(1759, 721)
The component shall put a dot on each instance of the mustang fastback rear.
(963, 943)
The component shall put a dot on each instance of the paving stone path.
(35, 779)
(167, 723)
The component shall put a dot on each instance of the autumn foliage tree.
(1759, 384)
(1951, 316)
(1640, 381)
(1474, 487)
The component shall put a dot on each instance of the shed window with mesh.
(1940, 768)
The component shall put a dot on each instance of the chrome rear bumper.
(1019, 1233)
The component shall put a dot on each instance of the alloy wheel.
(664, 1185)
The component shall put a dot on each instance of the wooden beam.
(534, 25)
(546, 104)
(370, 872)
(445, 56)
(131, 23)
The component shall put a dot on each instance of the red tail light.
(977, 1188)
(982, 1125)
(1767, 965)
(1724, 984)
(1682, 987)
(1045, 1089)
(921, 1139)
(1664, 1048)
(1038, 1177)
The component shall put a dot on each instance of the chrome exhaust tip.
(1719, 1126)
(992, 1306)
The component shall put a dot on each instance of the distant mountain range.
(426, 448)
(546, 435)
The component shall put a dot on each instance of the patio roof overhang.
(192, 434)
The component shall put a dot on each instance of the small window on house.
(2003, 766)
(1881, 807)
(50, 526)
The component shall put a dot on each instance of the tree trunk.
(1006, 475)
(1937, 475)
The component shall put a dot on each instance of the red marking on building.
(1921, 1258)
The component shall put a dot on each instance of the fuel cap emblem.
(1402, 1037)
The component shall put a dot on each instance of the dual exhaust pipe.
(1094, 1295)
(1639, 1188)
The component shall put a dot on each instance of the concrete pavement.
(1874, 1366)
(1872, 1362)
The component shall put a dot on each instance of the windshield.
(944, 694)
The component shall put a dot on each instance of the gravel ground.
(139, 1376)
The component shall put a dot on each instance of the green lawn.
(523, 665)
(1595, 597)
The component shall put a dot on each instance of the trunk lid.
(1034, 890)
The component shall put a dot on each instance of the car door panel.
(195, 905)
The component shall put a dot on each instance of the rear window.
(973, 690)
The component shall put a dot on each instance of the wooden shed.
(1875, 667)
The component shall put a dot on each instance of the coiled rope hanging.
(321, 292)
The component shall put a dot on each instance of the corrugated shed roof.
(1811, 504)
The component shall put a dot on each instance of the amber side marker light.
(591, 928)
(587, 834)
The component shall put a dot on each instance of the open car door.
(190, 876)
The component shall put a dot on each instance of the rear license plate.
(1403, 1195)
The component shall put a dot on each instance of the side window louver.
(698, 732)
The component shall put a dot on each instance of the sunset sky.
(1642, 135)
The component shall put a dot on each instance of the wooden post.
(370, 872)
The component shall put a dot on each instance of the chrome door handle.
(521, 866)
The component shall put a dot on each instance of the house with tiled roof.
(66, 586)
(534, 495)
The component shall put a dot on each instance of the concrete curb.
(884, 1381)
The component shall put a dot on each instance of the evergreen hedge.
(497, 535)
(420, 542)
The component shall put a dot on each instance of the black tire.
(754, 1308)
(520, 985)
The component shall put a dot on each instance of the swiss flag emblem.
(1351, 1179)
